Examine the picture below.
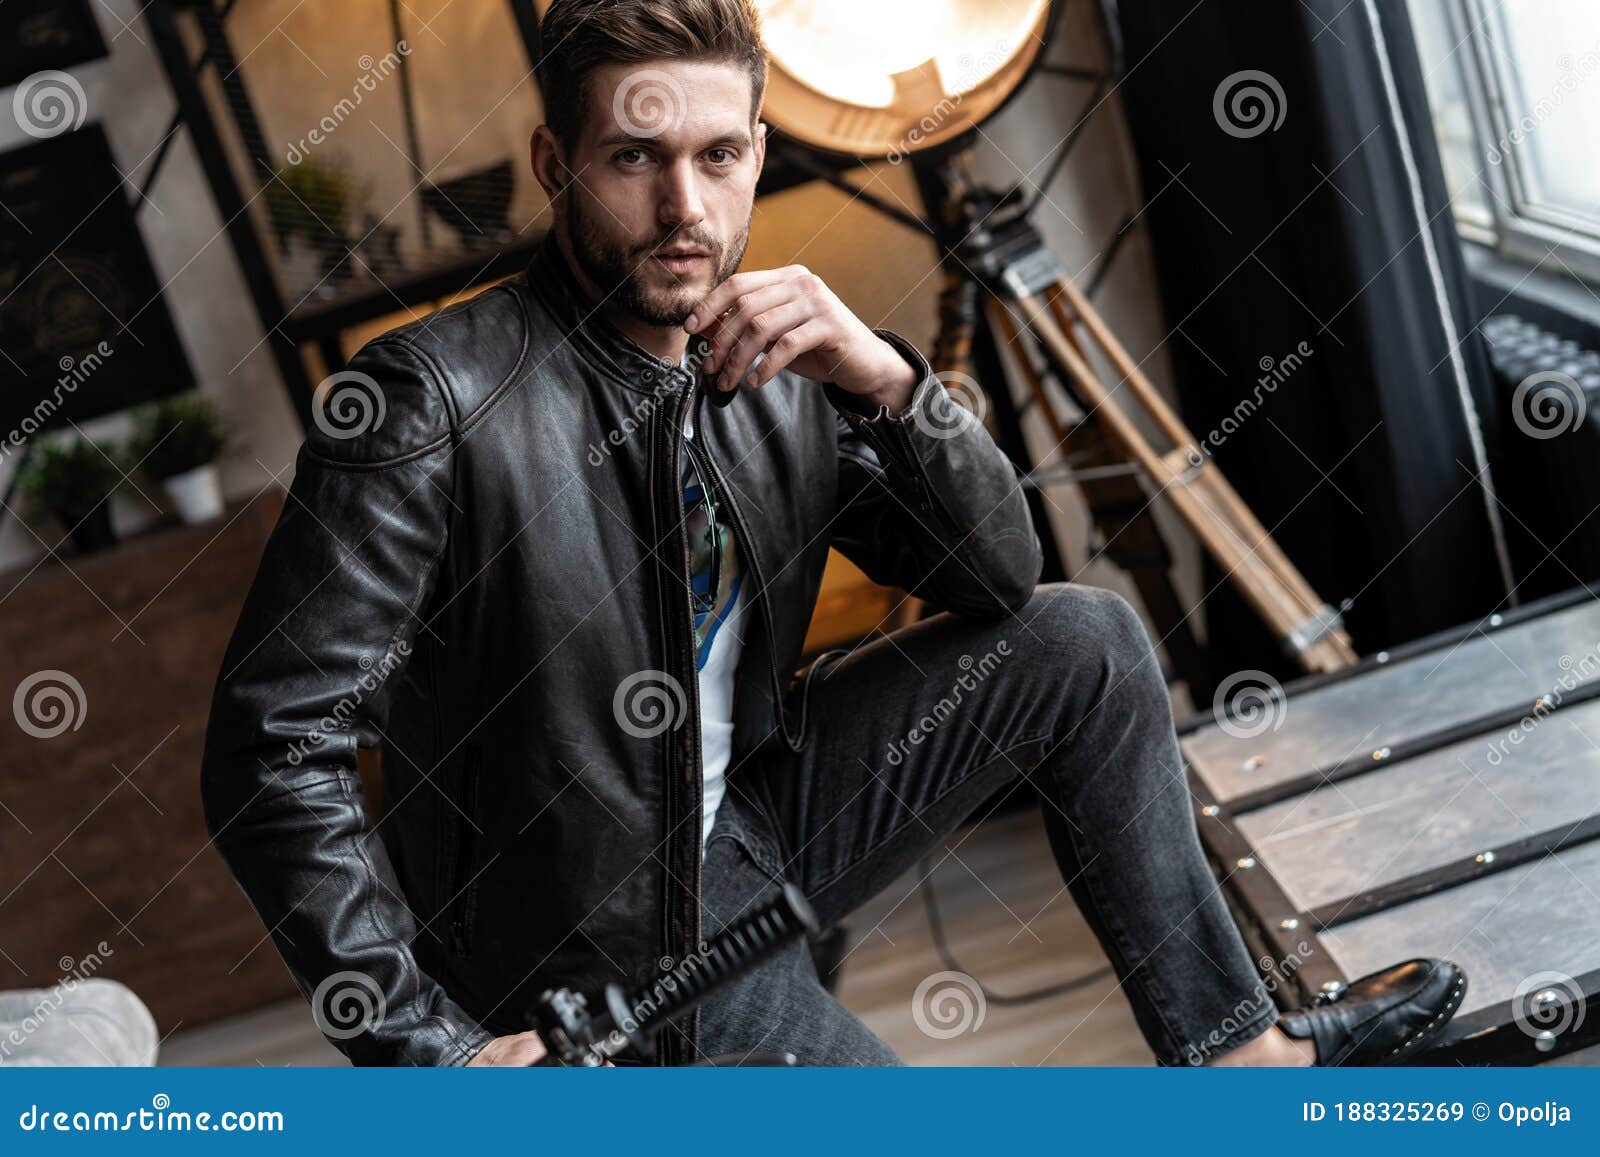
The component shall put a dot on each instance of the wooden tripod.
(1055, 313)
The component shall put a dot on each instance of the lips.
(685, 262)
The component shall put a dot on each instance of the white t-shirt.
(718, 636)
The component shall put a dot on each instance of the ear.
(760, 147)
(549, 169)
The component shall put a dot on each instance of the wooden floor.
(1009, 922)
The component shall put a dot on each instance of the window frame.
(1528, 234)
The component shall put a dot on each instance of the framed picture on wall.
(46, 34)
(84, 326)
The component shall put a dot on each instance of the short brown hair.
(578, 36)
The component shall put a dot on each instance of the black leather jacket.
(466, 575)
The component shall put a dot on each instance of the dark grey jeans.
(908, 735)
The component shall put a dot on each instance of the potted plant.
(73, 483)
(315, 201)
(177, 443)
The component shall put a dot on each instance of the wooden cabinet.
(102, 837)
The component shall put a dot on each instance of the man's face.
(666, 169)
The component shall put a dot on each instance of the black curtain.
(1282, 211)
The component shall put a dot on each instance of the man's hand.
(521, 1050)
(792, 317)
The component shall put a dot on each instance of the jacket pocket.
(461, 883)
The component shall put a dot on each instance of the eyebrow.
(623, 138)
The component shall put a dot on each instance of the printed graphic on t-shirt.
(708, 624)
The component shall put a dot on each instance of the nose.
(681, 204)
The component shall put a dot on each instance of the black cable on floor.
(930, 902)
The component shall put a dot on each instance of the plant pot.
(92, 533)
(196, 494)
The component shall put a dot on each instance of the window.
(1515, 91)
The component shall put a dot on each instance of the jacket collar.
(553, 282)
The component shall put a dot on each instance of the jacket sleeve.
(927, 501)
(326, 628)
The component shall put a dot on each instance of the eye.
(630, 157)
(721, 155)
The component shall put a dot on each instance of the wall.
(815, 225)
(127, 92)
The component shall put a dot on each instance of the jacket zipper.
(681, 928)
(747, 545)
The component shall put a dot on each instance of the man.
(568, 594)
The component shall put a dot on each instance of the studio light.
(887, 77)
(882, 78)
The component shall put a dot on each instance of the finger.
(717, 302)
(788, 347)
(758, 337)
(745, 309)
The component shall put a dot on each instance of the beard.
(618, 268)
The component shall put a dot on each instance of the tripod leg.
(968, 348)
(1120, 510)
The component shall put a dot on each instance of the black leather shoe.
(1383, 1017)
